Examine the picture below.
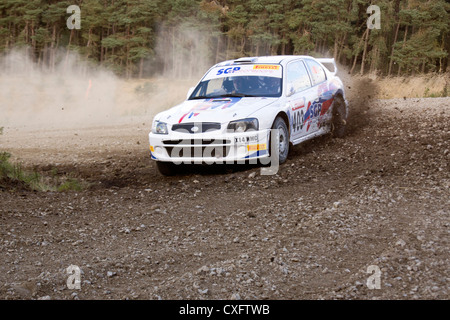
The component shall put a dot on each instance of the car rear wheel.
(282, 139)
(339, 122)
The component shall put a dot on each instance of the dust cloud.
(75, 93)
(184, 51)
(361, 94)
(72, 93)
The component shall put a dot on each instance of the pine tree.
(123, 34)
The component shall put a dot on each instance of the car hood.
(214, 110)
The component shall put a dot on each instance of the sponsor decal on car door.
(304, 112)
(300, 98)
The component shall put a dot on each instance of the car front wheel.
(282, 138)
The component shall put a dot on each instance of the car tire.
(339, 120)
(166, 168)
(283, 139)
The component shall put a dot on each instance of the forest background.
(182, 38)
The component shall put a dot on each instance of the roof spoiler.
(245, 60)
(329, 61)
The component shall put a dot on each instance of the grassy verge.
(13, 176)
(444, 93)
(421, 86)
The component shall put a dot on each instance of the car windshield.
(241, 81)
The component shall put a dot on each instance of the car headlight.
(244, 125)
(160, 127)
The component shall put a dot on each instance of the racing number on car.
(298, 120)
(300, 117)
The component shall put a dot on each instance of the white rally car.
(237, 107)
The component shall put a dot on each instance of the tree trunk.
(391, 60)
(228, 39)
(52, 49)
(404, 41)
(128, 64)
(357, 51)
(335, 50)
(173, 54)
(217, 59)
(364, 53)
(68, 47)
(89, 38)
(141, 68)
(341, 46)
(375, 58)
(242, 50)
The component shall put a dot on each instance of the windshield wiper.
(200, 97)
(228, 95)
(237, 95)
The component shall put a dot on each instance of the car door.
(299, 98)
(320, 90)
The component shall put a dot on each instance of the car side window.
(297, 77)
(316, 71)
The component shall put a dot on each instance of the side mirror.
(190, 92)
(290, 92)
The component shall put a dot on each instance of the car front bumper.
(209, 147)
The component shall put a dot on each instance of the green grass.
(14, 173)
(444, 93)
(13, 176)
(70, 184)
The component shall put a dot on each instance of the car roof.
(263, 59)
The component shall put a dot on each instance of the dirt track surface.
(379, 197)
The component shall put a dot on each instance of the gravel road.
(340, 215)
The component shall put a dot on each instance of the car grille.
(197, 148)
(202, 127)
(187, 142)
